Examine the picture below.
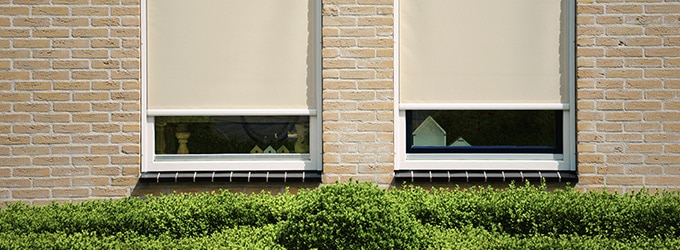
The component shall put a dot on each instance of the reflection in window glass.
(232, 134)
(484, 131)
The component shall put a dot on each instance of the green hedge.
(354, 216)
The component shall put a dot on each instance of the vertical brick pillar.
(69, 99)
(628, 93)
(358, 90)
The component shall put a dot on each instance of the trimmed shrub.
(349, 216)
(354, 215)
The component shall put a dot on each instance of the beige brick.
(71, 43)
(131, 21)
(106, 43)
(50, 53)
(125, 117)
(666, 8)
(15, 118)
(662, 73)
(15, 182)
(31, 21)
(90, 117)
(643, 105)
(125, 181)
(106, 170)
(31, 43)
(662, 30)
(106, 85)
(52, 182)
(106, 21)
(89, 139)
(15, 32)
(89, 74)
(106, 106)
(69, 149)
(660, 159)
(125, 32)
(94, 53)
(50, 10)
(14, 75)
(51, 139)
(91, 96)
(71, 21)
(51, 96)
(109, 191)
(70, 192)
(30, 171)
(124, 138)
(90, 32)
(643, 62)
(606, 20)
(643, 41)
(624, 73)
(30, 150)
(90, 160)
(14, 10)
(51, 117)
(131, 170)
(105, 150)
(131, 128)
(624, 9)
(31, 64)
(31, 128)
(51, 32)
(106, 128)
(662, 180)
(624, 180)
(626, 52)
(627, 159)
(125, 74)
(5, 172)
(31, 193)
(643, 170)
(71, 128)
(71, 85)
(70, 171)
(90, 11)
(51, 75)
(616, 31)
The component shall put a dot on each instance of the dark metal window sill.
(484, 176)
(232, 176)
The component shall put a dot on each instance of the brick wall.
(70, 97)
(628, 94)
(358, 90)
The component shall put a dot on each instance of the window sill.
(232, 176)
(484, 176)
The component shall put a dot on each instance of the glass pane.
(484, 130)
(232, 134)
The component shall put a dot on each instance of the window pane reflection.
(231, 134)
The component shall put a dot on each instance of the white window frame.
(566, 161)
(235, 162)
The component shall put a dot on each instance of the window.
(485, 85)
(231, 85)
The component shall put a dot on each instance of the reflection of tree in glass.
(206, 139)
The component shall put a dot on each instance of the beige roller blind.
(231, 54)
(483, 51)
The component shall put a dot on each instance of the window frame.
(564, 161)
(273, 162)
